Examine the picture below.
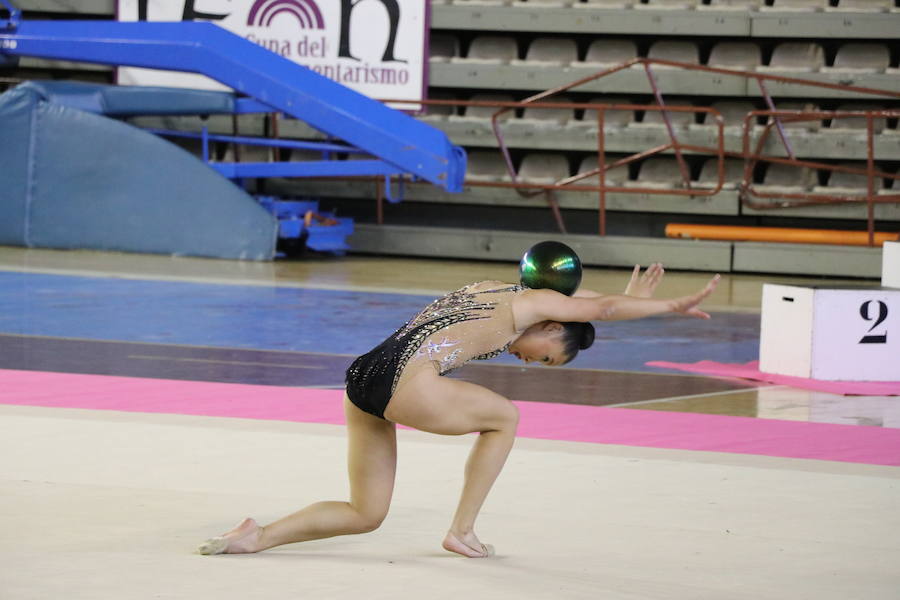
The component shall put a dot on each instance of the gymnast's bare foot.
(242, 539)
(467, 544)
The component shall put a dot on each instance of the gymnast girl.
(400, 381)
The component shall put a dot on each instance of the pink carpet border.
(751, 370)
(644, 428)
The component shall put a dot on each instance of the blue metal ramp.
(402, 143)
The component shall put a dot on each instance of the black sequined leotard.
(472, 323)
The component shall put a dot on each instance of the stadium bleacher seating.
(677, 50)
(550, 52)
(612, 119)
(841, 182)
(490, 49)
(615, 177)
(533, 3)
(607, 4)
(890, 185)
(804, 125)
(735, 55)
(680, 119)
(606, 53)
(441, 48)
(487, 166)
(733, 114)
(669, 4)
(797, 5)
(787, 179)
(845, 125)
(795, 57)
(483, 113)
(658, 173)
(547, 117)
(515, 49)
(437, 113)
(732, 176)
(544, 168)
(862, 6)
(861, 58)
(735, 4)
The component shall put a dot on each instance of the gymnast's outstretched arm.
(534, 306)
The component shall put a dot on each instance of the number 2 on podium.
(882, 315)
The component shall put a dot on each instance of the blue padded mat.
(307, 320)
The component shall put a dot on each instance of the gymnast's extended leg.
(451, 407)
(372, 464)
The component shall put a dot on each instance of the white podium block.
(890, 265)
(835, 334)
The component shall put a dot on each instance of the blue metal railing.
(255, 141)
(15, 15)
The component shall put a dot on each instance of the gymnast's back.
(472, 323)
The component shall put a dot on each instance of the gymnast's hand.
(687, 305)
(642, 285)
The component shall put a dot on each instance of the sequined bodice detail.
(433, 334)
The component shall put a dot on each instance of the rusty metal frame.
(777, 118)
(602, 167)
(871, 197)
(531, 189)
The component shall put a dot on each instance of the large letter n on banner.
(393, 11)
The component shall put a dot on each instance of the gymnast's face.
(541, 343)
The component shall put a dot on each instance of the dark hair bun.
(587, 336)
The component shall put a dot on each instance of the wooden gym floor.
(107, 500)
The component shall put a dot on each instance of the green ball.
(551, 265)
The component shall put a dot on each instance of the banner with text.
(376, 47)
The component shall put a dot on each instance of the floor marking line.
(324, 387)
(692, 396)
(678, 374)
(222, 281)
(224, 362)
(238, 348)
(106, 341)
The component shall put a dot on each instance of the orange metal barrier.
(777, 234)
